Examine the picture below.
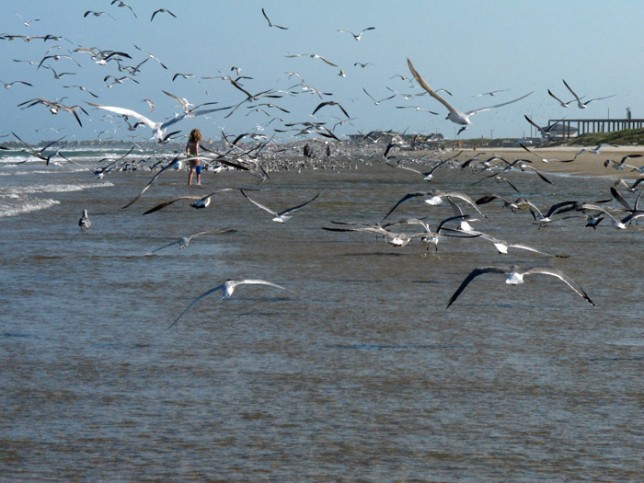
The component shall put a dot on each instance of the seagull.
(162, 10)
(503, 246)
(54, 107)
(331, 103)
(199, 202)
(183, 75)
(120, 3)
(619, 165)
(96, 14)
(84, 223)
(397, 239)
(227, 288)
(514, 276)
(375, 101)
(456, 116)
(184, 241)
(9, 85)
(271, 24)
(491, 93)
(427, 175)
(545, 131)
(150, 103)
(282, 216)
(159, 128)
(435, 197)
(619, 224)
(185, 105)
(583, 105)
(630, 187)
(561, 103)
(546, 160)
(357, 37)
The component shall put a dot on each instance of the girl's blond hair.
(195, 135)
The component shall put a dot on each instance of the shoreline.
(587, 163)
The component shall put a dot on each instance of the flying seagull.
(271, 24)
(357, 37)
(228, 288)
(199, 202)
(514, 276)
(159, 128)
(281, 216)
(456, 116)
(580, 104)
(561, 102)
(162, 10)
(184, 241)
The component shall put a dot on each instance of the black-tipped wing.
(473, 274)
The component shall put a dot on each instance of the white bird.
(435, 198)
(514, 276)
(456, 116)
(357, 37)
(503, 246)
(84, 223)
(281, 216)
(561, 102)
(397, 239)
(159, 128)
(580, 104)
(228, 288)
(184, 241)
(199, 202)
(491, 93)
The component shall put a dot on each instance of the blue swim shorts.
(198, 169)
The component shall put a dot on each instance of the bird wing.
(165, 204)
(429, 90)
(127, 112)
(252, 281)
(165, 246)
(465, 198)
(473, 274)
(555, 97)
(481, 109)
(571, 91)
(563, 277)
(265, 208)
(147, 186)
(203, 295)
(402, 200)
(620, 199)
(184, 104)
(295, 208)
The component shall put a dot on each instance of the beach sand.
(586, 164)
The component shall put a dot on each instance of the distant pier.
(567, 128)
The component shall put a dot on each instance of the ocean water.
(356, 372)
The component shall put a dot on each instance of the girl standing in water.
(192, 150)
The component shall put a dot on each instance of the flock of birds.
(428, 166)
(264, 156)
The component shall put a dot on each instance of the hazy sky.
(468, 47)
